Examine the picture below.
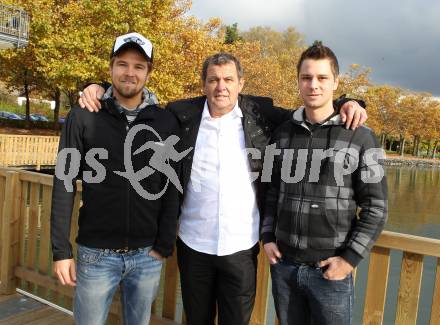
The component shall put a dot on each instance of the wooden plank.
(9, 234)
(435, 307)
(409, 289)
(42, 280)
(45, 256)
(261, 298)
(32, 228)
(26, 317)
(376, 290)
(54, 285)
(56, 317)
(155, 320)
(23, 220)
(170, 289)
(409, 243)
(2, 203)
(7, 297)
(38, 178)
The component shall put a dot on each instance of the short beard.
(129, 93)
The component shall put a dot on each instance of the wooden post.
(9, 233)
(171, 283)
(376, 291)
(409, 289)
(260, 308)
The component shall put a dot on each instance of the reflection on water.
(414, 201)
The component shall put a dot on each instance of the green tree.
(232, 34)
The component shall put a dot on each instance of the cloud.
(399, 40)
(248, 13)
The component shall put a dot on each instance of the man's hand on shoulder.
(89, 98)
(337, 268)
(65, 271)
(272, 252)
(353, 114)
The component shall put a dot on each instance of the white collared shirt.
(219, 213)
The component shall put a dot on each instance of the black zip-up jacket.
(113, 214)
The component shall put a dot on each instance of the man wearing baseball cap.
(123, 236)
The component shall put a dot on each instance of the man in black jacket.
(219, 219)
(127, 223)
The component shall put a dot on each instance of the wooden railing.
(24, 150)
(25, 202)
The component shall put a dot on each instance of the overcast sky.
(398, 39)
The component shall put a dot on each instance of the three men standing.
(220, 212)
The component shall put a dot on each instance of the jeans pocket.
(339, 285)
(88, 255)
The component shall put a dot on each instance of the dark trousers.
(210, 281)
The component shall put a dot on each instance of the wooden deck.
(17, 309)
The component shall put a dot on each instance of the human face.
(221, 88)
(129, 73)
(317, 83)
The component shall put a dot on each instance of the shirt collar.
(236, 112)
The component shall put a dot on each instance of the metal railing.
(14, 26)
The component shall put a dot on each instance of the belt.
(122, 250)
(293, 261)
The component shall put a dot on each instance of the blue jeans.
(100, 272)
(302, 294)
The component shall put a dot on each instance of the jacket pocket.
(287, 228)
(318, 226)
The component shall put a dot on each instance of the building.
(14, 27)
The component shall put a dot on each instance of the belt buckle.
(121, 250)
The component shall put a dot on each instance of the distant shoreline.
(394, 160)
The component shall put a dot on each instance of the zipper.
(127, 218)
(297, 223)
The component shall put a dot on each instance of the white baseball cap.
(133, 39)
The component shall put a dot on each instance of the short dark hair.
(220, 59)
(319, 52)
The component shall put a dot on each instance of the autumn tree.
(71, 40)
(382, 103)
(354, 82)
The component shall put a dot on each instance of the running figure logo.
(163, 152)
